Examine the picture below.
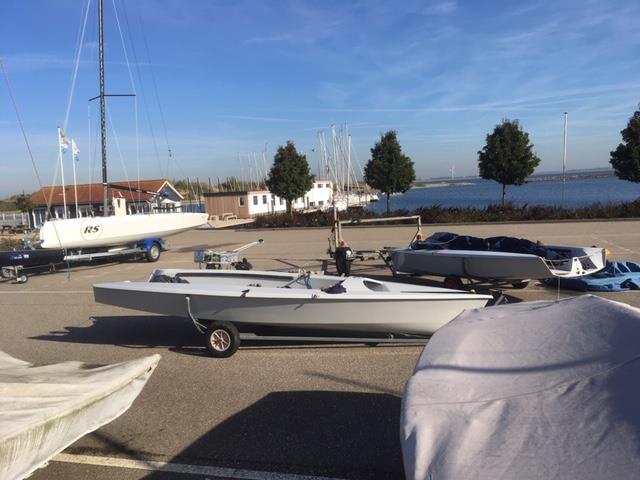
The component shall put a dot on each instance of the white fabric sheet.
(536, 390)
(43, 409)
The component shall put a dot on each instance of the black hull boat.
(31, 258)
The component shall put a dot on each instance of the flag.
(62, 140)
(75, 151)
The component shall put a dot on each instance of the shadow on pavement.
(132, 331)
(335, 434)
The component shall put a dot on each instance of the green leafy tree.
(389, 170)
(508, 156)
(626, 158)
(23, 202)
(289, 177)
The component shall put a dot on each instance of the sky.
(219, 81)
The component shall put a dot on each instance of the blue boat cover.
(453, 241)
(615, 277)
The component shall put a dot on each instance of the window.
(255, 199)
(319, 185)
(241, 200)
(320, 203)
(328, 185)
(264, 199)
(312, 204)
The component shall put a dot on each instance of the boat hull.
(417, 314)
(31, 258)
(493, 265)
(91, 232)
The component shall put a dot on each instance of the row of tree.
(507, 157)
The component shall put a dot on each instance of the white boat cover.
(43, 409)
(544, 390)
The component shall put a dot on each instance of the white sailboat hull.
(274, 299)
(91, 232)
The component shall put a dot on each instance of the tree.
(389, 170)
(508, 157)
(23, 202)
(626, 158)
(289, 177)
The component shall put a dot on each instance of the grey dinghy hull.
(493, 265)
(402, 309)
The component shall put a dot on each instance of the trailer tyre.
(222, 339)
(153, 253)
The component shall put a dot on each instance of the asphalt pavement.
(271, 411)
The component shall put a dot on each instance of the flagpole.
(64, 194)
(75, 183)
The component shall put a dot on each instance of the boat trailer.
(149, 249)
(224, 260)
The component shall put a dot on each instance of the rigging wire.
(74, 75)
(26, 139)
(117, 142)
(135, 101)
(171, 160)
(141, 86)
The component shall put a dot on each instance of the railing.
(13, 218)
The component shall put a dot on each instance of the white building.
(246, 204)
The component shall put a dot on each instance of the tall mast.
(103, 129)
(564, 157)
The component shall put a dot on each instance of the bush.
(439, 214)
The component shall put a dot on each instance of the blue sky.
(234, 76)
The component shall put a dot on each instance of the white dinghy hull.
(274, 299)
(91, 232)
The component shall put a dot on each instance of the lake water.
(481, 193)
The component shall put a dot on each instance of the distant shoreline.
(551, 177)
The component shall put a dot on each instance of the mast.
(103, 129)
(564, 157)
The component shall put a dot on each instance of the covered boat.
(43, 409)
(501, 259)
(291, 300)
(545, 389)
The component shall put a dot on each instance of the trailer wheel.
(454, 283)
(153, 253)
(22, 279)
(222, 339)
(520, 285)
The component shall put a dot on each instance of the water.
(481, 193)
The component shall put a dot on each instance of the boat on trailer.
(496, 260)
(92, 232)
(221, 304)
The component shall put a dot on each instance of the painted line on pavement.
(183, 468)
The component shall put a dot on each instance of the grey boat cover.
(43, 409)
(536, 390)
